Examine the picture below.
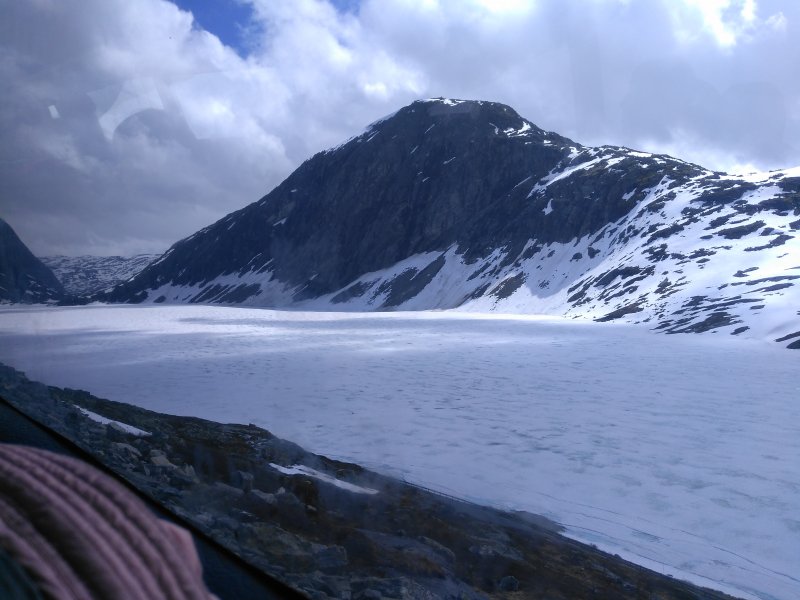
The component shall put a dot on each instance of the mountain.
(86, 275)
(452, 203)
(23, 277)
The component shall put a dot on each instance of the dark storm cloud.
(126, 127)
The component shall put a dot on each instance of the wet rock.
(179, 478)
(291, 513)
(159, 459)
(307, 491)
(448, 554)
(491, 550)
(188, 470)
(242, 480)
(125, 451)
(225, 522)
(288, 500)
(509, 583)
(330, 558)
(260, 502)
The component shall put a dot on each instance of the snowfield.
(679, 452)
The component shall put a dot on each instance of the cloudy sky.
(127, 125)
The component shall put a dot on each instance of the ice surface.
(679, 452)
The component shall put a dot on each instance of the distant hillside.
(465, 204)
(23, 277)
(86, 275)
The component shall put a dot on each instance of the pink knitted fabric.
(82, 535)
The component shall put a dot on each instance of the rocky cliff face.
(452, 203)
(23, 277)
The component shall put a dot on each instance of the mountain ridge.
(466, 204)
(23, 277)
(87, 274)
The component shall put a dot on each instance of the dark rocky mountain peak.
(23, 277)
(434, 172)
(449, 203)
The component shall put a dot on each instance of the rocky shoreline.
(327, 528)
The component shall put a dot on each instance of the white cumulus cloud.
(127, 126)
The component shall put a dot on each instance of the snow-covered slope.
(461, 204)
(678, 261)
(85, 275)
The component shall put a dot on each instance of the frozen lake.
(681, 453)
